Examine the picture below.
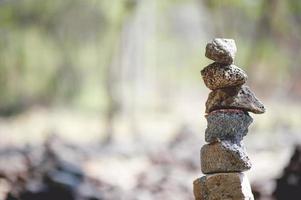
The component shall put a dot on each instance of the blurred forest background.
(120, 80)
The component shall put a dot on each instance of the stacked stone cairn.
(224, 158)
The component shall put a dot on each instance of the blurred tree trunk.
(112, 71)
(136, 63)
(111, 89)
(263, 32)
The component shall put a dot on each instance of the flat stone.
(217, 76)
(234, 97)
(223, 186)
(224, 157)
(227, 124)
(221, 50)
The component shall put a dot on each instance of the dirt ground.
(161, 163)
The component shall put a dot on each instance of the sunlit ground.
(270, 142)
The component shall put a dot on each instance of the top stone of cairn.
(221, 50)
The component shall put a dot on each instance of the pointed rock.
(224, 156)
(234, 97)
(227, 124)
(221, 50)
(218, 75)
(224, 186)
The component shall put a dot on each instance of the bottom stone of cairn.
(223, 186)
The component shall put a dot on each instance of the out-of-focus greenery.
(54, 50)
(73, 51)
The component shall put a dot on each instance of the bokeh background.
(113, 88)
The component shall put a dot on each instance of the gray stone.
(227, 124)
(224, 156)
(224, 186)
(234, 97)
(217, 76)
(221, 50)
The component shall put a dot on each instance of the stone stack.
(224, 158)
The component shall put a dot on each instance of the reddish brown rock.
(236, 98)
(218, 75)
(224, 157)
(221, 50)
(199, 189)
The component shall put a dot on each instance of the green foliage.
(54, 51)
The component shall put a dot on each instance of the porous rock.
(218, 75)
(227, 124)
(199, 189)
(224, 157)
(240, 97)
(221, 50)
(224, 186)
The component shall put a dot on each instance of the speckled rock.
(221, 50)
(217, 76)
(224, 157)
(225, 186)
(234, 97)
(227, 124)
(199, 189)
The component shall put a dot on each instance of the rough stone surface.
(224, 157)
(224, 186)
(217, 76)
(234, 97)
(199, 190)
(221, 50)
(227, 124)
